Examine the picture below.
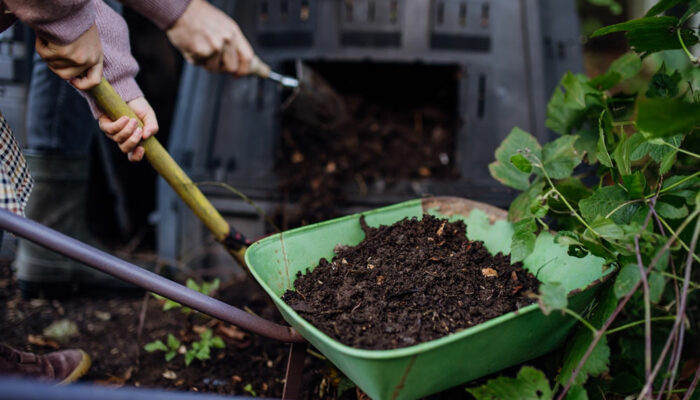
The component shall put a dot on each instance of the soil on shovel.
(407, 283)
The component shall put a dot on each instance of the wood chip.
(370, 266)
(236, 378)
(39, 340)
(489, 272)
(231, 331)
(380, 279)
(297, 157)
(424, 172)
(330, 167)
(199, 329)
(441, 229)
(168, 374)
(514, 276)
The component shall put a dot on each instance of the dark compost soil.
(394, 132)
(407, 283)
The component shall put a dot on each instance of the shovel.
(313, 100)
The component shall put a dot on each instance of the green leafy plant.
(170, 349)
(621, 182)
(205, 288)
(201, 350)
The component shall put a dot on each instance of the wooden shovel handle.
(115, 107)
(259, 68)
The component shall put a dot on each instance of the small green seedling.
(249, 388)
(206, 288)
(170, 350)
(201, 350)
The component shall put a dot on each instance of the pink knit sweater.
(63, 21)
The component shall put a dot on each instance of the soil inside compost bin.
(407, 283)
(402, 126)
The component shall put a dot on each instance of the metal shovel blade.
(314, 101)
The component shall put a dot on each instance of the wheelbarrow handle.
(115, 107)
(109, 264)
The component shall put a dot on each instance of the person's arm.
(120, 69)
(204, 34)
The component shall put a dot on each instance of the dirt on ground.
(407, 283)
(108, 330)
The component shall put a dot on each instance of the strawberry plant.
(201, 350)
(621, 182)
(170, 349)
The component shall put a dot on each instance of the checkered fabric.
(15, 180)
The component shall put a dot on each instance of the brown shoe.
(63, 366)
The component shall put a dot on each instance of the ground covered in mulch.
(408, 283)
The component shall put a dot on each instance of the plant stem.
(680, 150)
(599, 334)
(641, 321)
(691, 57)
(678, 278)
(580, 319)
(647, 309)
(681, 309)
(693, 385)
(244, 197)
(669, 187)
(681, 242)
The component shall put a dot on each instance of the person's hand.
(126, 131)
(79, 62)
(206, 36)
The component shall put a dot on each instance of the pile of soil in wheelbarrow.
(395, 132)
(408, 283)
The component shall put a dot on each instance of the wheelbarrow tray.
(425, 368)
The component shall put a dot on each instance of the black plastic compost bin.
(509, 55)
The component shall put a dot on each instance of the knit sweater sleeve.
(163, 13)
(58, 21)
(120, 67)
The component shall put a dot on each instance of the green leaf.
(190, 283)
(601, 148)
(502, 169)
(625, 67)
(530, 384)
(169, 305)
(573, 189)
(173, 343)
(663, 84)
(664, 117)
(670, 211)
(622, 153)
(249, 389)
(344, 385)
(208, 287)
(574, 95)
(651, 34)
(613, 6)
(693, 183)
(607, 229)
(217, 342)
(577, 393)
(206, 335)
(667, 162)
(662, 6)
(170, 355)
(565, 113)
(523, 241)
(657, 283)
(539, 210)
(521, 163)
(693, 8)
(560, 157)
(203, 353)
(552, 297)
(189, 356)
(605, 200)
(598, 362)
(635, 184)
(520, 207)
(626, 280)
(156, 345)
(636, 24)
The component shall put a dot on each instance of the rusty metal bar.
(295, 371)
(138, 276)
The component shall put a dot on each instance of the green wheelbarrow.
(274, 261)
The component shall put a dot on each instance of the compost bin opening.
(402, 127)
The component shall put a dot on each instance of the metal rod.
(138, 276)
